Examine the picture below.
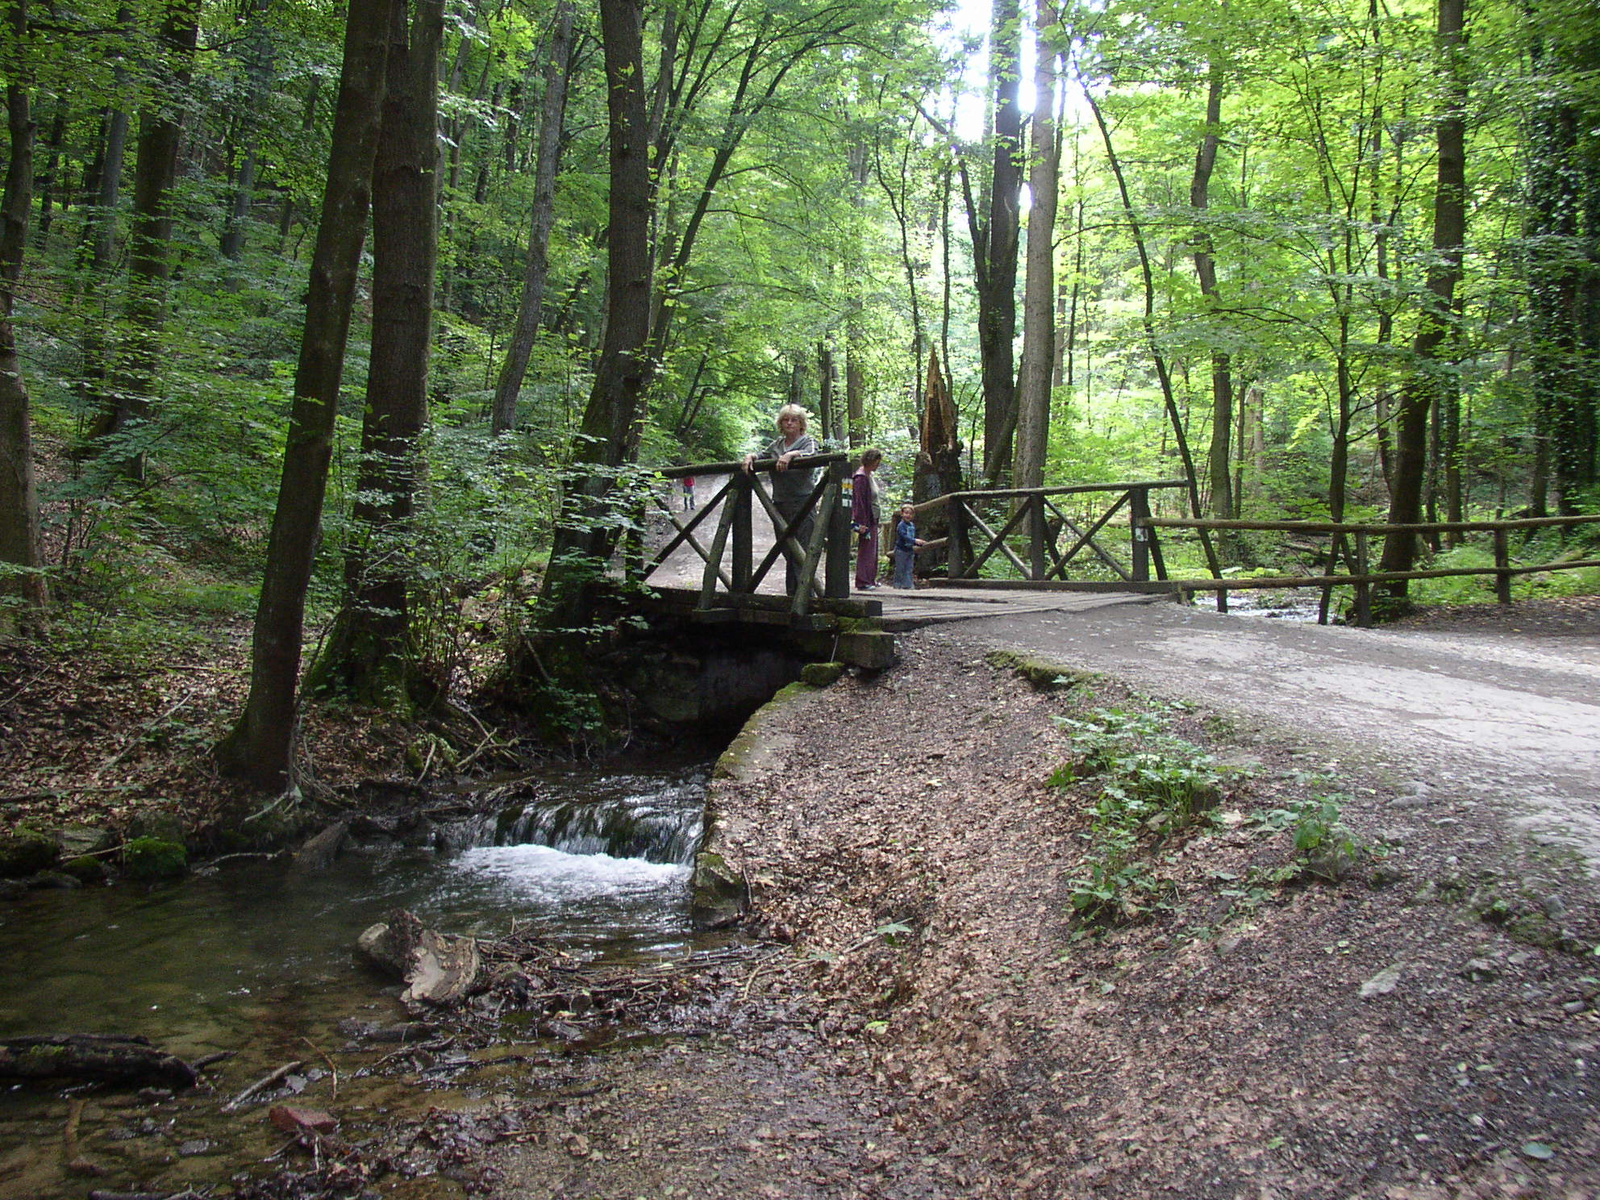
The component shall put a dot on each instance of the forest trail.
(1506, 718)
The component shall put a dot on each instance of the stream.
(247, 957)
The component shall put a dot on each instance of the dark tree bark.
(529, 309)
(1427, 381)
(609, 432)
(995, 243)
(1564, 318)
(260, 746)
(369, 652)
(19, 506)
(150, 249)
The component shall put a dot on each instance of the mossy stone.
(85, 869)
(821, 674)
(26, 851)
(149, 858)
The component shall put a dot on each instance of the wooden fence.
(1350, 543)
(729, 560)
(1015, 522)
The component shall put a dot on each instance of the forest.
(335, 316)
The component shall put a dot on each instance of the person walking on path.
(864, 519)
(791, 489)
(906, 542)
(688, 493)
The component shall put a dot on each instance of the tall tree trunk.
(1038, 305)
(995, 244)
(827, 377)
(1205, 268)
(97, 247)
(150, 249)
(49, 177)
(855, 375)
(368, 654)
(609, 432)
(19, 506)
(530, 307)
(1159, 359)
(1566, 392)
(260, 747)
(243, 153)
(1426, 382)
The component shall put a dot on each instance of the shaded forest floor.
(926, 1015)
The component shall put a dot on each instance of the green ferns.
(1149, 785)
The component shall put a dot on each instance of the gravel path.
(1504, 705)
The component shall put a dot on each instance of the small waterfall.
(621, 816)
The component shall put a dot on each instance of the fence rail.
(1356, 556)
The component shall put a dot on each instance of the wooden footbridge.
(993, 553)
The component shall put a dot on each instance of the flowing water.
(253, 959)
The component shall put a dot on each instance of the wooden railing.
(1350, 543)
(729, 560)
(1031, 530)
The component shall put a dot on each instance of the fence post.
(1138, 514)
(1036, 536)
(956, 541)
(742, 498)
(836, 568)
(1502, 564)
(1363, 588)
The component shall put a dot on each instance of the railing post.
(1363, 588)
(956, 540)
(743, 499)
(1036, 536)
(1138, 514)
(1502, 564)
(836, 562)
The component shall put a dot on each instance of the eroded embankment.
(1421, 1024)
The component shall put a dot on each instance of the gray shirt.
(791, 487)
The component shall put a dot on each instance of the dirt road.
(1509, 718)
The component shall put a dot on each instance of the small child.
(906, 542)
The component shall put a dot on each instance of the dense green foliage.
(809, 201)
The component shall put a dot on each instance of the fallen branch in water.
(260, 1084)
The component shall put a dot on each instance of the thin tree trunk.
(150, 249)
(1163, 375)
(520, 346)
(52, 168)
(1425, 384)
(827, 377)
(1205, 267)
(1038, 315)
(260, 746)
(19, 505)
(855, 377)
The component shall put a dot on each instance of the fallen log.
(105, 1058)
